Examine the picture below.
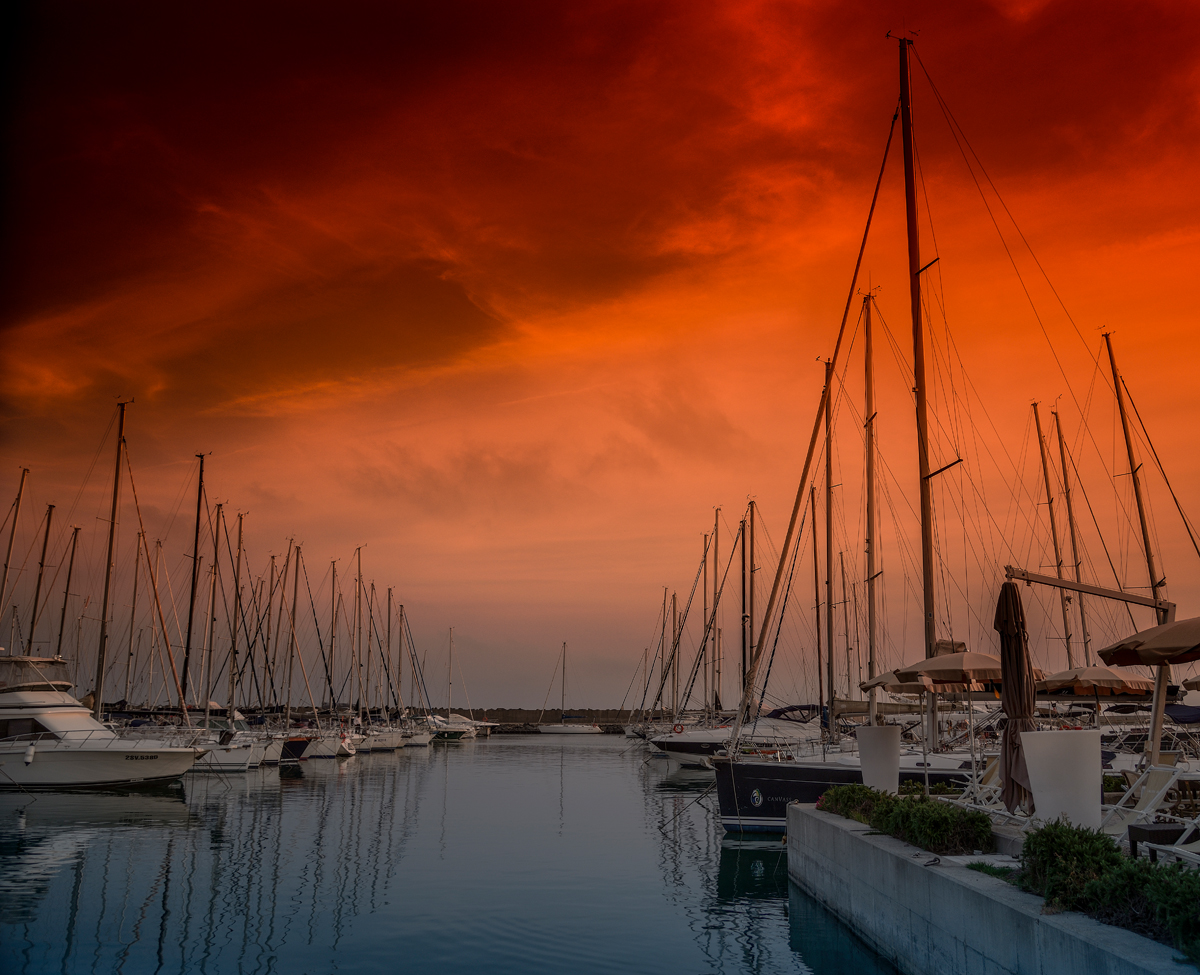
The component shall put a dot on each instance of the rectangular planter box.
(946, 918)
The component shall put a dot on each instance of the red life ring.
(678, 729)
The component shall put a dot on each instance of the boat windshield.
(73, 721)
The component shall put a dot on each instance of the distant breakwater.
(524, 721)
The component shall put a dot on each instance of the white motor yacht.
(49, 740)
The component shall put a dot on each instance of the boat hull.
(85, 768)
(754, 796)
(569, 729)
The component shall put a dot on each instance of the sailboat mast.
(829, 540)
(674, 656)
(12, 532)
(137, 562)
(817, 596)
(914, 287)
(704, 653)
(716, 645)
(1062, 456)
(332, 635)
(37, 591)
(846, 622)
(358, 631)
(753, 569)
(237, 619)
(745, 618)
(1058, 560)
(287, 723)
(187, 647)
(872, 707)
(1163, 674)
(102, 650)
(562, 701)
(450, 675)
(62, 620)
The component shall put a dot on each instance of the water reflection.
(521, 854)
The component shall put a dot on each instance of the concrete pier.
(942, 917)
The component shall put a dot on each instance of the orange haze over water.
(514, 295)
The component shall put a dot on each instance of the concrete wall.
(946, 918)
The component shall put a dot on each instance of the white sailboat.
(562, 728)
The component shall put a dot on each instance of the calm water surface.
(517, 854)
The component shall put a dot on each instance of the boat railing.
(94, 738)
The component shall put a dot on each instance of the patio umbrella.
(1192, 684)
(1160, 646)
(1096, 681)
(1017, 697)
(954, 670)
(892, 684)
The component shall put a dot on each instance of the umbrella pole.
(1097, 692)
(971, 734)
(1156, 714)
(925, 745)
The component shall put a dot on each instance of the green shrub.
(932, 825)
(1058, 860)
(916, 787)
(1114, 783)
(1079, 869)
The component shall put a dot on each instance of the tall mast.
(287, 721)
(450, 675)
(870, 540)
(62, 621)
(237, 619)
(267, 668)
(674, 656)
(745, 617)
(716, 645)
(817, 596)
(358, 586)
(1058, 560)
(212, 618)
(333, 635)
(388, 656)
(37, 590)
(1163, 674)
(846, 621)
(562, 701)
(829, 539)
(1062, 456)
(914, 287)
(400, 664)
(753, 569)
(102, 650)
(137, 562)
(704, 651)
(187, 643)
(12, 534)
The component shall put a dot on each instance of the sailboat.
(562, 728)
(453, 727)
(754, 794)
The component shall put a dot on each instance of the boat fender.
(29, 754)
(678, 729)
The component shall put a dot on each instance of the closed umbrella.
(1017, 697)
(1177, 642)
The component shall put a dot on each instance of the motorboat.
(569, 729)
(454, 728)
(696, 746)
(49, 740)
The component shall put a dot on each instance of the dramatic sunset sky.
(513, 294)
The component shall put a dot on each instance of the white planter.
(879, 753)
(1065, 775)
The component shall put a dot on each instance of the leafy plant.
(930, 824)
(1003, 873)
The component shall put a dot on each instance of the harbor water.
(510, 855)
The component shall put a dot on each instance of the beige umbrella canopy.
(1170, 643)
(1096, 680)
(953, 668)
(891, 683)
(1192, 684)
(1160, 646)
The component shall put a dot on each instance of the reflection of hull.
(76, 809)
(755, 871)
(59, 765)
(754, 796)
(569, 729)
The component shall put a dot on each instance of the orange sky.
(514, 294)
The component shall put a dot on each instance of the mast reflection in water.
(521, 854)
